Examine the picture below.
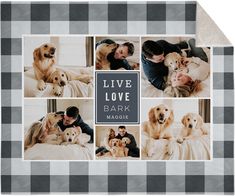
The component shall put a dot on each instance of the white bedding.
(74, 88)
(116, 158)
(191, 149)
(59, 152)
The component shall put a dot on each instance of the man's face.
(121, 52)
(68, 120)
(157, 58)
(122, 132)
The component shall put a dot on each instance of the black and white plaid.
(178, 18)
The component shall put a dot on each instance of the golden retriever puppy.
(194, 67)
(116, 148)
(74, 135)
(61, 77)
(173, 61)
(160, 119)
(39, 132)
(193, 127)
(125, 141)
(102, 52)
(70, 136)
(44, 61)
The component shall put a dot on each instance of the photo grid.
(60, 93)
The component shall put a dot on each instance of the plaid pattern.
(216, 176)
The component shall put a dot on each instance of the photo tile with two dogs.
(116, 98)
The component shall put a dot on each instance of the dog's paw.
(87, 79)
(180, 140)
(170, 149)
(41, 85)
(57, 90)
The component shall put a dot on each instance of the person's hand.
(135, 65)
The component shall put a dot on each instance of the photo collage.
(116, 98)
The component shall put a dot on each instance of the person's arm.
(116, 64)
(133, 142)
(104, 41)
(168, 47)
(158, 82)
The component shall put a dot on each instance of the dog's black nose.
(70, 140)
(161, 116)
(62, 83)
(52, 50)
(190, 126)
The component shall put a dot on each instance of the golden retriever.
(160, 119)
(44, 61)
(74, 135)
(173, 61)
(40, 132)
(194, 67)
(46, 71)
(116, 148)
(193, 127)
(125, 141)
(102, 52)
(61, 77)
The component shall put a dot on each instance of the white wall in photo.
(70, 50)
(34, 110)
(85, 107)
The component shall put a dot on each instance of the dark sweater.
(115, 63)
(155, 72)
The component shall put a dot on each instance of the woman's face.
(112, 133)
(179, 79)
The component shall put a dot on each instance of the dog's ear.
(46, 123)
(50, 78)
(68, 75)
(37, 54)
(110, 143)
(199, 122)
(120, 143)
(78, 130)
(183, 121)
(152, 117)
